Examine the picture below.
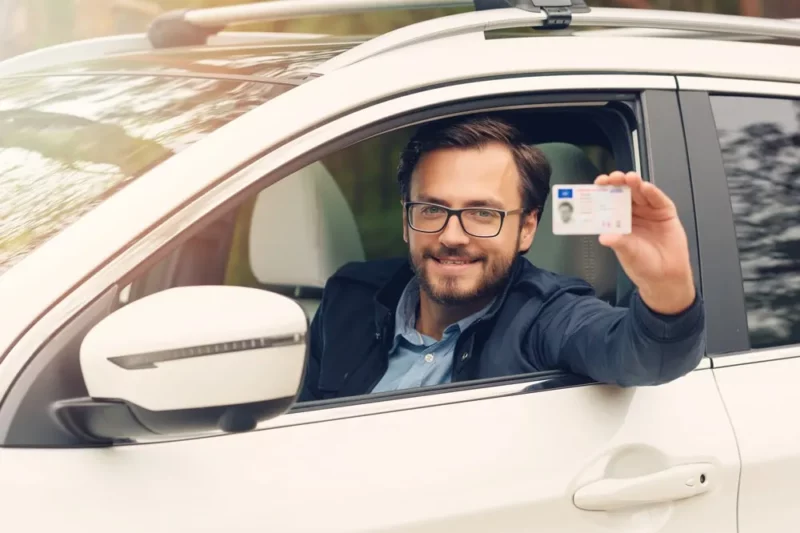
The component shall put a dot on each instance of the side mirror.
(189, 360)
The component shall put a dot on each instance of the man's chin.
(450, 294)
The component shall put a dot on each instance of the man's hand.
(655, 255)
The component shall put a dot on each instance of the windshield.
(69, 142)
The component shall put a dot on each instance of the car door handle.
(672, 484)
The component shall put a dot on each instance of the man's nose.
(453, 234)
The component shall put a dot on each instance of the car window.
(291, 236)
(68, 142)
(760, 141)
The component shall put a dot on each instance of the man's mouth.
(454, 261)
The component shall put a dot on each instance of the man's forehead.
(468, 174)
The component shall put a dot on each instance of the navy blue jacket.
(542, 321)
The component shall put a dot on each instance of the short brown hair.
(475, 131)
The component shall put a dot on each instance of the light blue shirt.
(417, 360)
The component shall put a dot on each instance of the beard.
(456, 290)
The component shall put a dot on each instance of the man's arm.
(627, 347)
(662, 335)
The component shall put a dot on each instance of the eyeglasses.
(483, 222)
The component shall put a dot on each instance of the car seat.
(302, 230)
(580, 256)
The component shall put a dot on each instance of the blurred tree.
(760, 140)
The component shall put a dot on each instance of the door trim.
(757, 356)
(737, 86)
(720, 269)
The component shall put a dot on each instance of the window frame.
(659, 139)
(728, 335)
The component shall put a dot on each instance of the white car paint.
(507, 464)
(180, 319)
(756, 395)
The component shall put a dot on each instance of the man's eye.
(432, 210)
(483, 214)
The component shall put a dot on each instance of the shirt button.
(429, 358)
(466, 354)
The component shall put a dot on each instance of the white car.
(172, 204)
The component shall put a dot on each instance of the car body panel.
(507, 464)
(755, 394)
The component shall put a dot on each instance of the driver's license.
(591, 209)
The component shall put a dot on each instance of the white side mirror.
(190, 360)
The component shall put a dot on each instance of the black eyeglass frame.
(457, 213)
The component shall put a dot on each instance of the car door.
(748, 218)
(545, 452)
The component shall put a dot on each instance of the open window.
(342, 206)
(346, 207)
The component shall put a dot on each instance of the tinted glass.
(68, 142)
(760, 140)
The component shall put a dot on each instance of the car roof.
(287, 60)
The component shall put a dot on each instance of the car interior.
(315, 206)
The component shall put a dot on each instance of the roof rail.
(508, 18)
(193, 26)
(660, 32)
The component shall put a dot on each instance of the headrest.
(302, 230)
(579, 256)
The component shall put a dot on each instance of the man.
(565, 210)
(467, 305)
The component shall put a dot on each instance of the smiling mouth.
(455, 262)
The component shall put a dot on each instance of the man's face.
(454, 267)
(566, 212)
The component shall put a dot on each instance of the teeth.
(454, 262)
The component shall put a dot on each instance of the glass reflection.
(760, 140)
(69, 142)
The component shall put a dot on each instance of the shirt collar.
(406, 315)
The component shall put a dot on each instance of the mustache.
(451, 253)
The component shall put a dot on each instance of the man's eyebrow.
(472, 203)
(485, 203)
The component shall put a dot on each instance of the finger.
(611, 240)
(615, 178)
(634, 182)
(656, 197)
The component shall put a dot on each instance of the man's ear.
(528, 230)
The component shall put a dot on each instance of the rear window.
(69, 142)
